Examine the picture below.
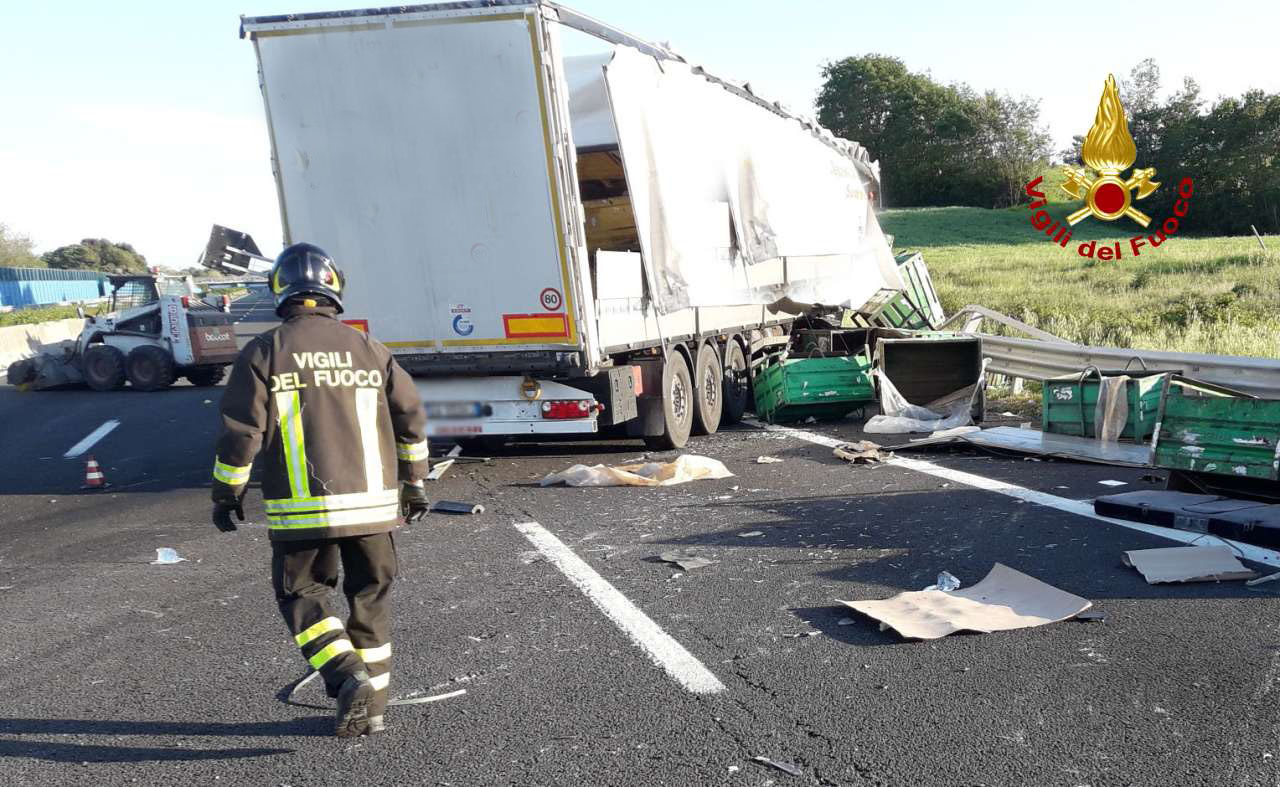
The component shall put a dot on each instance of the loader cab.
(135, 302)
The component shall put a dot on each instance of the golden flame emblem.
(1109, 149)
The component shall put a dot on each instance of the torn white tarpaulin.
(898, 416)
(688, 467)
(1112, 411)
(701, 162)
(1005, 599)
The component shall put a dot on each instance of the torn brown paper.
(1005, 599)
(862, 452)
(1187, 564)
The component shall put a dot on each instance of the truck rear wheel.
(205, 376)
(737, 384)
(677, 405)
(104, 368)
(150, 368)
(708, 400)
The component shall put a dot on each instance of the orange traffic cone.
(93, 478)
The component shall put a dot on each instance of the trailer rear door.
(419, 149)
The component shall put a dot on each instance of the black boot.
(352, 718)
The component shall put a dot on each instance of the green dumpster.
(1070, 402)
(1207, 428)
(792, 389)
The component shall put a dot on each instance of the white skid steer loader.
(147, 338)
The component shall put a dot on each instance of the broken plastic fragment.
(946, 581)
(166, 556)
(768, 460)
(785, 767)
(685, 560)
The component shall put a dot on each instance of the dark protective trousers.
(304, 572)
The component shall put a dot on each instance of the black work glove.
(414, 504)
(222, 516)
(227, 500)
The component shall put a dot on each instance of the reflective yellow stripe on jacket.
(412, 452)
(289, 410)
(230, 474)
(358, 516)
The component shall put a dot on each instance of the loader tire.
(677, 405)
(150, 368)
(737, 384)
(104, 368)
(206, 376)
(708, 390)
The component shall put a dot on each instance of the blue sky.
(142, 121)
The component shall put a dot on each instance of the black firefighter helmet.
(305, 269)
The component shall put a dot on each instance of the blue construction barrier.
(40, 286)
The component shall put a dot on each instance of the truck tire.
(708, 390)
(677, 405)
(150, 368)
(737, 384)
(104, 368)
(205, 376)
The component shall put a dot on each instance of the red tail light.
(568, 408)
(186, 302)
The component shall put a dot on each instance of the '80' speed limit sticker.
(551, 299)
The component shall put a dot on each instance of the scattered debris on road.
(167, 557)
(750, 534)
(454, 507)
(1059, 446)
(685, 559)
(685, 468)
(946, 581)
(785, 767)
(1187, 564)
(439, 469)
(769, 460)
(862, 452)
(1005, 599)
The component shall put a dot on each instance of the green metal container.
(1207, 428)
(797, 388)
(1070, 402)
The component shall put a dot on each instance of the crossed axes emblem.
(1108, 197)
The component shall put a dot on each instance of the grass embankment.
(1212, 295)
(35, 314)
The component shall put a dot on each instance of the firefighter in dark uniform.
(338, 424)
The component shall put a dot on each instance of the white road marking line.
(90, 439)
(661, 648)
(1083, 508)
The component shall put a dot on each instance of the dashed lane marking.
(1079, 507)
(658, 645)
(90, 439)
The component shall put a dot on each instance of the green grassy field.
(1212, 295)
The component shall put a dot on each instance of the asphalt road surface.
(123, 672)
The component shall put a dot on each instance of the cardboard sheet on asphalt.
(1187, 564)
(1005, 599)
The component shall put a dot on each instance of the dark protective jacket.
(337, 420)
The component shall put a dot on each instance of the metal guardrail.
(1048, 356)
(1035, 359)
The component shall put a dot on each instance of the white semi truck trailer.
(551, 244)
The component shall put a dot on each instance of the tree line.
(937, 144)
(90, 254)
(950, 145)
